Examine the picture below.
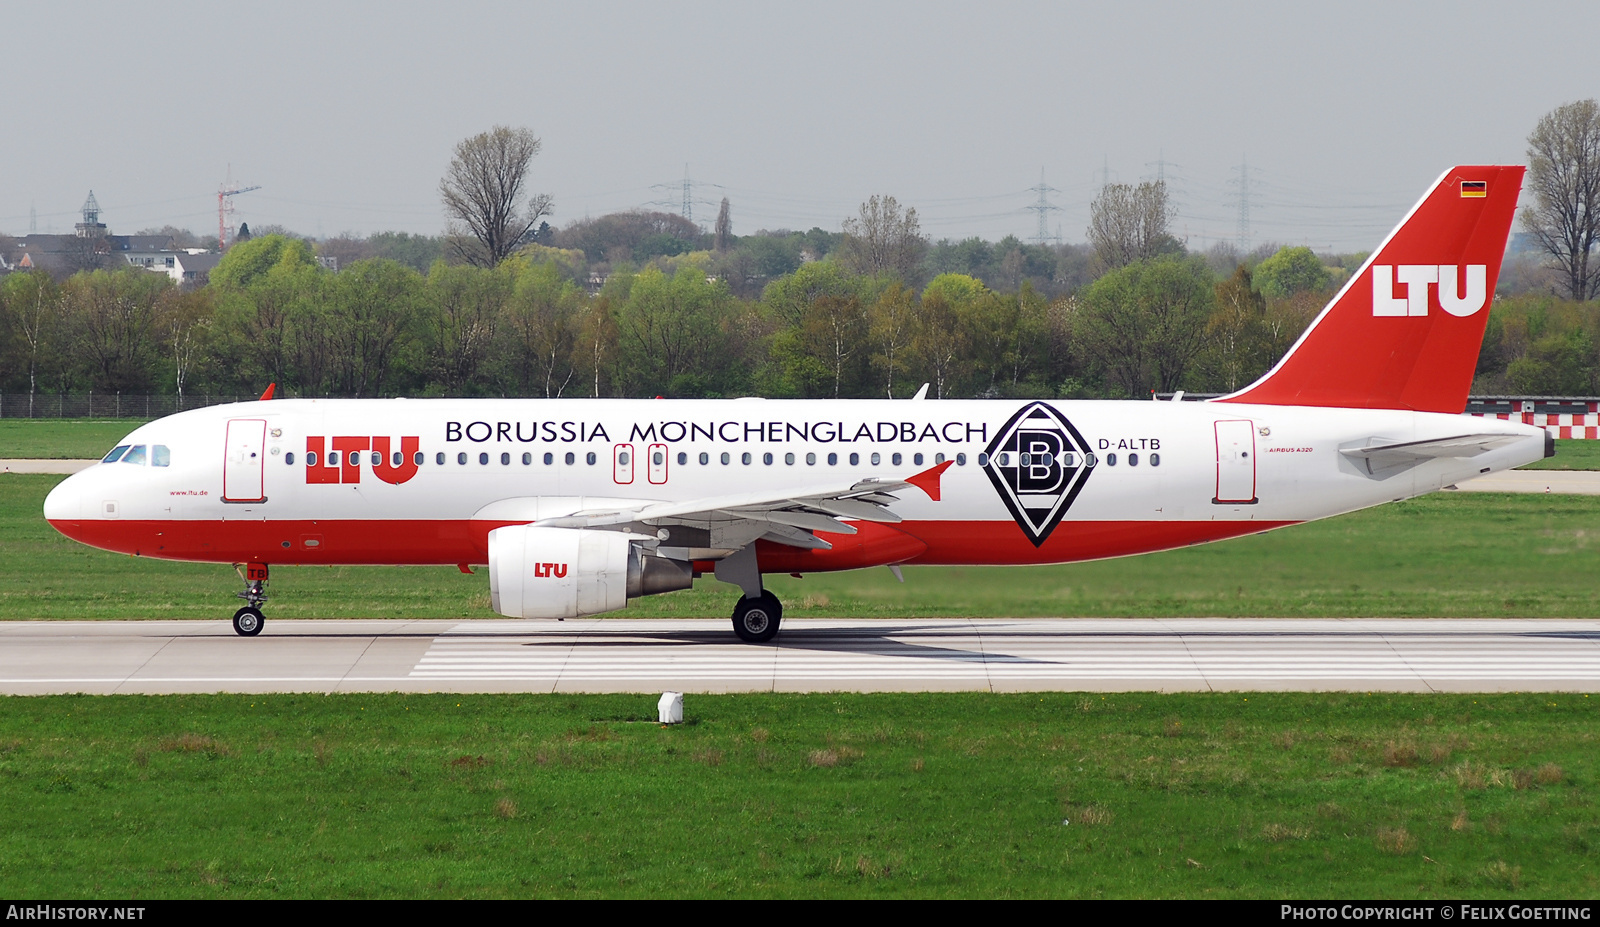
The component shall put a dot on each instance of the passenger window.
(589, 458)
(289, 458)
(571, 458)
(439, 458)
(417, 458)
(811, 460)
(877, 458)
(704, 458)
(961, 460)
(483, 458)
(311, 458)
(160, 456)
(745, 458)
(855, 459)
(1111, 460)
(549, 458)
(395, 459)
(115, 454)
(527, 459)
(725, 458)
(1155, 460)
(833, 460)
(505, 459)
(622, 459)
(916, 459)
(684, 458)
(895, 459)
(1133, 460)
(937, 458)
(767, 459)
(461, 459)
(983, 459)
(135, 456)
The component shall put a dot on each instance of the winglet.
(928, 480)
(267, 393)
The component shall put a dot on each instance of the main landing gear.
(247, 621)
(756, 617)
(756, 620)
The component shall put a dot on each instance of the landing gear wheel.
(756, 620)
(247, 621)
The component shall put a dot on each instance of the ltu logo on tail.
(1418, 278)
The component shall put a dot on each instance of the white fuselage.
(1102, 478)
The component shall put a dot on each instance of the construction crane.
(225, 208)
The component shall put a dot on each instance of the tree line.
(649, 304)
(530, 326)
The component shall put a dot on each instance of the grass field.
(62, 438)
(1140, 795)
(1445, 555)
(1571, 454)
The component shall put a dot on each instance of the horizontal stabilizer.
(1381, 459)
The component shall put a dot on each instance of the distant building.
(91, 246)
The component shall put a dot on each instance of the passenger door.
(244, 461)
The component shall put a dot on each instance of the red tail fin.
(1404, 332)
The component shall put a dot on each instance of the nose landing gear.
(247, 621)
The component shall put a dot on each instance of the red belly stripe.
(449, 542)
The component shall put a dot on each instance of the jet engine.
(568, 572)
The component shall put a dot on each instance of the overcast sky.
(345, 113)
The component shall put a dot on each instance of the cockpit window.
(135, 456)
(160, 456)
(116, 454)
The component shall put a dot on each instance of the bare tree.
(1564, 175)
(1128, 223)
(882, 239)
(482, 193)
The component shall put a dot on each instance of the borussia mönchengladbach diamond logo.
(1037, 464)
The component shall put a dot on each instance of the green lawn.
(1265, 795)
(1445, 555)
(62, 438)
(1571, 454)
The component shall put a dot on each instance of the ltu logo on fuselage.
(342, 462)
(1417, 279)
(1038, 464)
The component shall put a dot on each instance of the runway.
(644, 655)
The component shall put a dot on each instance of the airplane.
(579, 505)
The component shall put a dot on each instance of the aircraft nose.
(63, 502)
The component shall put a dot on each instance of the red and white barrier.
(1583, 425)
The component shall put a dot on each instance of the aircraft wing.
(788, 516)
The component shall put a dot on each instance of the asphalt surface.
(647, 655)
